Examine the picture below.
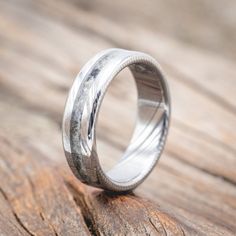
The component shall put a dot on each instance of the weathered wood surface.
(43, 45)
(39, 198)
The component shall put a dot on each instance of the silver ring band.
(81, 112)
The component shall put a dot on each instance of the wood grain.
(36, 197)
(43, 45)
(42, 198)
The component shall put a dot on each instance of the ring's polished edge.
(82, 108)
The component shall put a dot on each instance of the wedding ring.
(81, 113)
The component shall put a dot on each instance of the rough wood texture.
(43, 45)
(39, 198)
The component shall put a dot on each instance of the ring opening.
(151, 125)
(116, 119)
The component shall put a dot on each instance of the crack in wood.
(154, 226)
(41, 214)
(14, 213)
(80, 201)
(22, 224)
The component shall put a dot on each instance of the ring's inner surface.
(147, 140)
(116, 119)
